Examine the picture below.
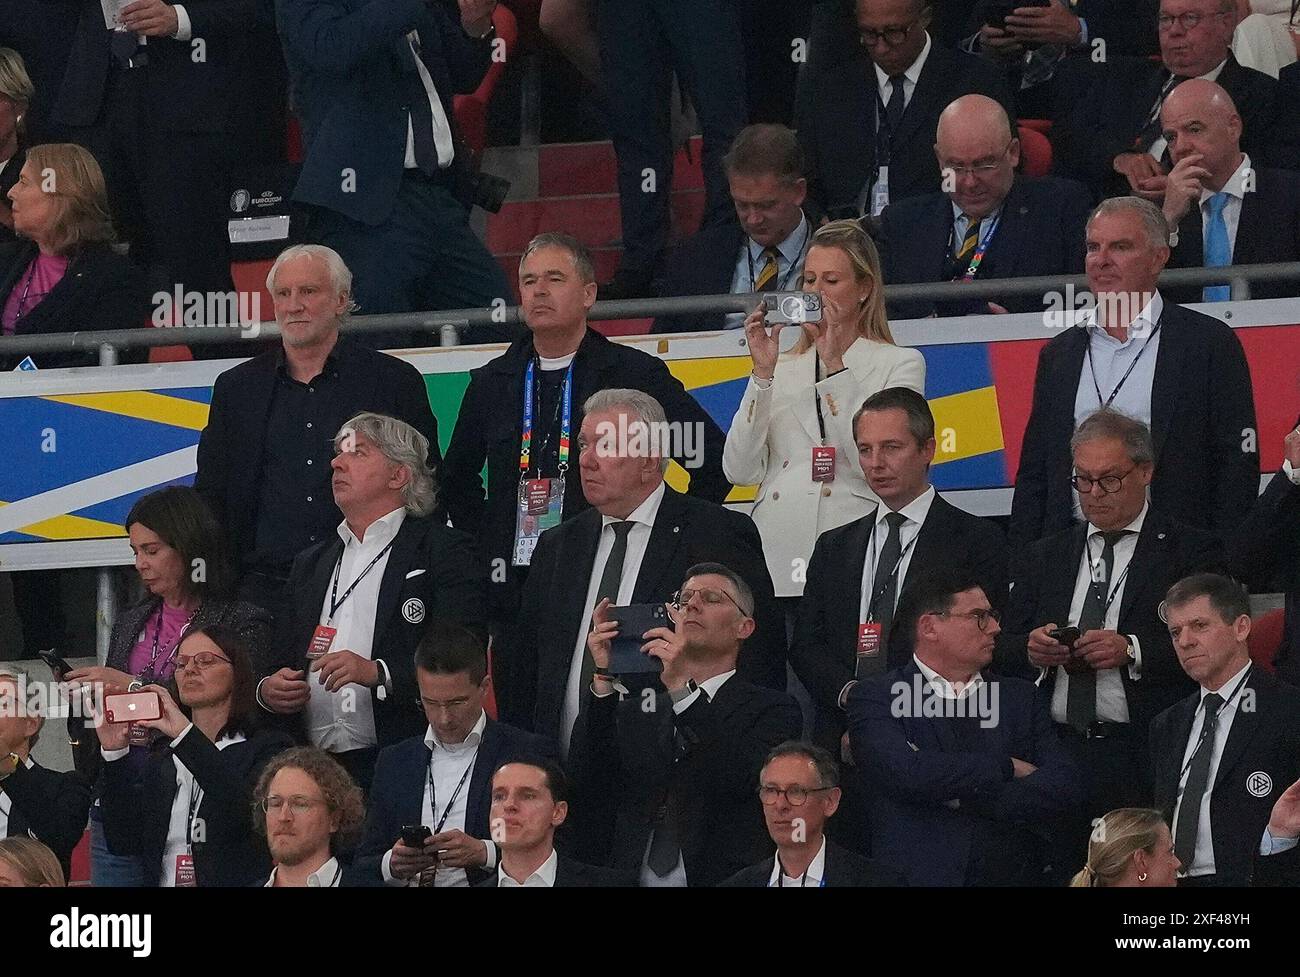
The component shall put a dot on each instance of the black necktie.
(1081, 696)
(123, 45)
(888, 126)
(610, 580)
(426, 152)
(884, 590)
(1198, 776)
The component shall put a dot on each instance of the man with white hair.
(264, 457)
(374, 590)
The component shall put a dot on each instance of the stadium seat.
(1038, 125)
(472, 109)
(1266, 638)
(1035, 152)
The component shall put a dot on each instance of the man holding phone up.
(1083, 618)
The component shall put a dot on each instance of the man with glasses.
(1083, 619)
(665, 770)
(1112, 137)
(313, 813)
(962, 768)
(985, 221)
(799, 787)
(868, 123)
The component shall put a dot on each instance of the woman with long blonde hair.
(1129, 847)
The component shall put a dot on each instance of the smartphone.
(1066, 636)
(415, 835)
(786, 307)
(132, 707)
(995, 14)
(57, 665)
(634, 620)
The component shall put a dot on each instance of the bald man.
(1225, 210)
(982, 220)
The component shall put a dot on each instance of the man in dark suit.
(530, 800)
(859, 571)
(1192, 388)
(386, 182)
(1223, 757)
(987, 222)
(443, 779)
(632, 547)
(1112, 138)
(961, 769)
(762, 248)
(876, 114)
(1106, 579)
(264, 457)
(49, 806)
(371, 592)
(1222, 208)
(666, 771)
(799, 786)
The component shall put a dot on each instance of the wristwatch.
(1132, 652)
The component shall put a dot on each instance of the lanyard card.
(321, 641)
(823, 463)
(869, 633)
(880, 192)
(185, 878)
(532, 517)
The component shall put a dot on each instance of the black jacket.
(824, 650)
(1264, 740)
(430, 576)
(100, 290)
(686, 531)
(1202, 423)
(844, 869)
(49, 806)
(1283, 149)
(137, 813)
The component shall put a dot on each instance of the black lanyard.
(878, 590)
(335, 601)
(1093, 370)
(1204, 724)
(433, 797)
(803, 879)
(817, 398)
(1106, 599)
(781, 283)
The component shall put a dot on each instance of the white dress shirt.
(1158, 147)
(1110, 361)
(1112, 703)
(328, 876)
(1203, 857)
(442, 141)
(789, 267)
(345, 720)
(812, 879)
(915, 513)
(6, 804)
(638, 537)
(189, 797)
(1235, 187)
(945, 689)
(542, 878)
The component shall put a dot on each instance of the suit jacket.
(577, 875)
(137, 812)
(1263, 739)
(49, 806)
(100, 290)
(1283, 149)
(232, 448)
(351, 68)
(1269, 230)
(182, 92)
(1111, 111)
(1166, 552)
(844, 869)
(397, 793)
(704, 264)
(944, 806)
(772, 436)
(627, 759)
(836, 119)
(1040, 232)
(429, 563)
(488, 430)
(1201, 405)
(686, 531)
(824, 650)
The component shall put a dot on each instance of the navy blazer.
(397, 793)
(50, 806)
(704, 264)
(944, 806)
(350, 66)
(1040, 232)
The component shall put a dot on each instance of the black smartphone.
(995, 14)
(415, 835)
(634, 620)
(57, 665)
(1066, 636)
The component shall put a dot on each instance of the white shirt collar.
(792, 247)
(711, 685)
(942, 686)
(913, 73)
(472, 739)
(1235, 185)
(381, 530)
(1140, 328)
(816, 870)
(1213, 73)
(544, 876)
(644, 514)
(915, 511)
(1229, 686)
(323, 878)
(1133, 527)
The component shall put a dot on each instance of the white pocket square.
(414, 573)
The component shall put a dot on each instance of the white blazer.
(771, 440)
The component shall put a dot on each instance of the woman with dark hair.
(181, 558)
(189, 816)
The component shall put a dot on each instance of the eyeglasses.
(203, 660)
(979, 169)
(1185, 21)
(981, 615)
(1110, 484)
(796, 796)
(893, 36)
(297, 804)
(708, 595)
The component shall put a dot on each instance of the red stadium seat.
(471, 110)
(1038, 125)
(1035, 152)
(1265, 639)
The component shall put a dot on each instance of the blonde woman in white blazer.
(837, 364)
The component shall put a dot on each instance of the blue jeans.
(106, 868)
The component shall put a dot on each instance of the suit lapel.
(802, 376)
(1166, 392)
(852, 566)
(1003, 254)
(933, 75)
(400, 558)
(670, 529)
(1245, 724)
(485, 764)
(1151, 541)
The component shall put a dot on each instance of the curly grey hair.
(402, 445)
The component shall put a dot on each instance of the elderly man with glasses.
(665, 770)
(1083, 620)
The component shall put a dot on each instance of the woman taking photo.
(793, 434)
(181, 560)
(189, 817)
(1130, 847)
